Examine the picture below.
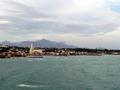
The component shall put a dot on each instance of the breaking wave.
(30, 86)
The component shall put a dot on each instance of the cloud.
(93, 19)
(3, 21)
(54, 18)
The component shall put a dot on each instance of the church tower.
(31, 48)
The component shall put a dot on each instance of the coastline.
(19, 52)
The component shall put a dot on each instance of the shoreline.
(47, 56)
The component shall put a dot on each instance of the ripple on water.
(29, 60)
(39, 59)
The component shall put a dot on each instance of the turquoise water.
(61, 73)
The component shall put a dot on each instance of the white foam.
(29, 86)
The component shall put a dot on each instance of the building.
(3, 46)
(35, 51)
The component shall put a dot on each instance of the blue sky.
(84, 23)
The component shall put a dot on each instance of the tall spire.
(31, 48)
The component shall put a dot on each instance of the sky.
(83, 23)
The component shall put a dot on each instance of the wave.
(30, 86)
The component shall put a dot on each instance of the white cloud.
(115, 33)
(3, 22)
(60, 20)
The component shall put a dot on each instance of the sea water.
(61, 73)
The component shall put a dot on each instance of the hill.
(39, 43)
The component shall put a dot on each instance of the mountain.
(39, 43)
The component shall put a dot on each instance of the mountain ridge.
(43, 43)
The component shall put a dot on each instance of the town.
(14, 51)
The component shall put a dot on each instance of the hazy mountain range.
(39, 43)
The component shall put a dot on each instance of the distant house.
(115, 53)
(2, 45)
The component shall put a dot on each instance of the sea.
(61, 73)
